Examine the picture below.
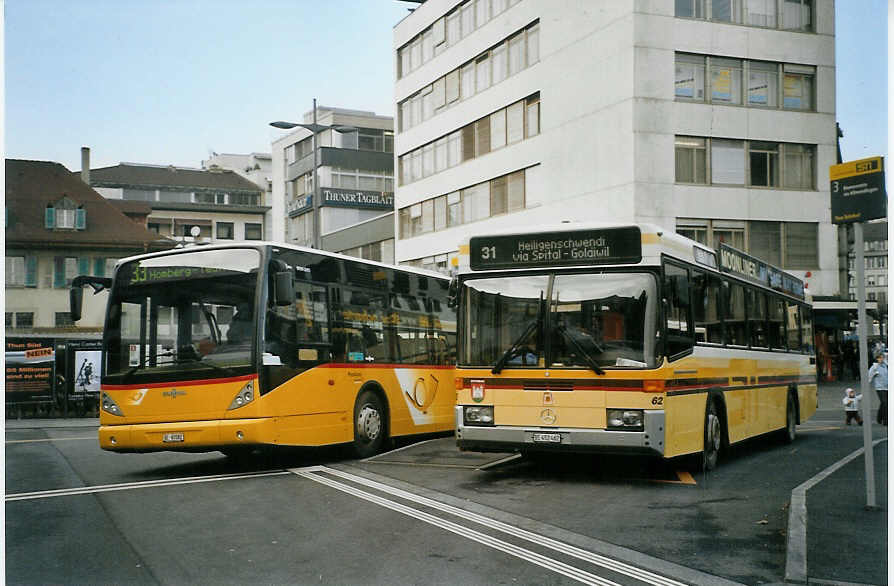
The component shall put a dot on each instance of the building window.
(765, 241)
(797, 15)
(790, 166)
(67, 268)
(225, 231)
(63, 319)
(65, 214)
(504, 60)
(21, 271)
(726, 10)
(253, 231)
(760, 13)
(801, 245)
(689, 8)
(24, 319)
(727, 162)
(726, 81)
(498, 196)
(798, 166)
(790, 245)
(764, 162)
(797, 87)
(473, 140)
(690, 77)
(690, 159)
(763, 84)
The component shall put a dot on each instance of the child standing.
(851, 403)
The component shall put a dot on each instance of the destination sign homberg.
(738, 263)
(134, 274)
(857, 191)
(549, 249)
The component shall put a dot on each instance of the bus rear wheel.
(369, 425)
(713, 437)
(790, 432)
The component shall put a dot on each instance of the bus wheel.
(791, 420)
(713, 436)
(369, 425)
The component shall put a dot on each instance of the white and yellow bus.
(233, 347)
(626, 338)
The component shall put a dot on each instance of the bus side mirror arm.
(76, 294)
(453, 293)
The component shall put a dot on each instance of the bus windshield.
(591, 320)
(183, 316)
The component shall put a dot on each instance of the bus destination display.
(556, 249)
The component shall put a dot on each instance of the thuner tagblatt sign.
(858, 191)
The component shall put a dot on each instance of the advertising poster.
(84, 365)
(87, 371)
(30, 370)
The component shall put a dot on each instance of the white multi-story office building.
(714, 118)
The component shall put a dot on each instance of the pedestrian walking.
(851, 403)
(878, 379)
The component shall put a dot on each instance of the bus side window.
(677, 310)
(734, 314)
(793, 327)
(776, 314)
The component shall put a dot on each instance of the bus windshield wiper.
(591, 362)
(498, 366)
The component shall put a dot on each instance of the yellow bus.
(234, 347)
(626, 339)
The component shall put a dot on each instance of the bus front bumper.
(186, 436)
(501, 438)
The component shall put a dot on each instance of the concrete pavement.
(832, 537)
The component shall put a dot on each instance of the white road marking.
(514, 550)
(43, 494)
(564, 548)
(51, 439)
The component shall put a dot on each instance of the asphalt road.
(422, 514)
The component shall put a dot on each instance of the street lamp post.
(315, 129)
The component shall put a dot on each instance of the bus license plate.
(552, 438)
(172, 438)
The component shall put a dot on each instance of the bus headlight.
(475, 415)
(245, 396)
(110, 406)
(624, 419)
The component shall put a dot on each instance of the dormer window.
(65, 214)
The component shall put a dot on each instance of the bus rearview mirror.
(76, 301)
(283, 288)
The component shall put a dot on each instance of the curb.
(796, 538)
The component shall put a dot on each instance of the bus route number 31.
(489, 253)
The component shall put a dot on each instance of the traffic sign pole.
(868, 457)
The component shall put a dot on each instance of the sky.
(167, 82)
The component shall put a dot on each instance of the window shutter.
(83, 266)
(58, 272)
(99, 267)
(80, 219)
(31, 271)
(50, 218)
